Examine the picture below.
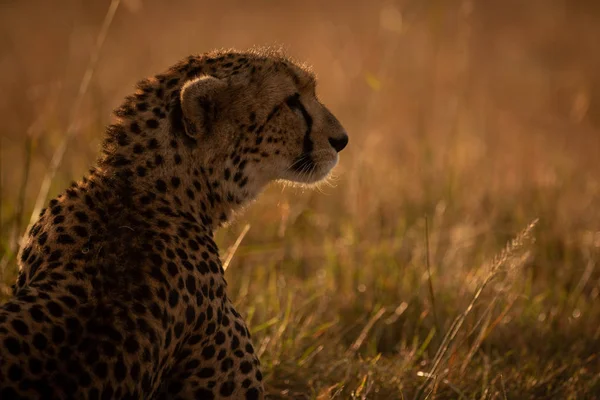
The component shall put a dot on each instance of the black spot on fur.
(161, 186)
(135, 128)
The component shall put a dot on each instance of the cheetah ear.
(201, 99)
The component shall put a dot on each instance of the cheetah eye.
(293, 101)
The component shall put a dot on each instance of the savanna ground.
(453, 254)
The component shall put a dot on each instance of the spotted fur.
(121, 292)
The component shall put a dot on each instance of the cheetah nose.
(339, 143)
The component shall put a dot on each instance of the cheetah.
(121, 293)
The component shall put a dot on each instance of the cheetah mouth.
(310, 168)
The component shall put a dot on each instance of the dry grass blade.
(231, 251)
(513, 246)
(365, 331)
(1, 188)
(58, 155)
(2, 245)
(327, 392)
(429, 278)
(16, 229)
(503, 388)
(22, 190)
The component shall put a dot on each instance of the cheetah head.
(260, 116)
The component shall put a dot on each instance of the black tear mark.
(304, 161)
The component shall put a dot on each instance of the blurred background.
(414, 270)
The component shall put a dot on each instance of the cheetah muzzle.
(121, 293)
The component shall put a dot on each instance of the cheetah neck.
(197, 193)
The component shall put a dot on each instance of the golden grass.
(455, 252)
